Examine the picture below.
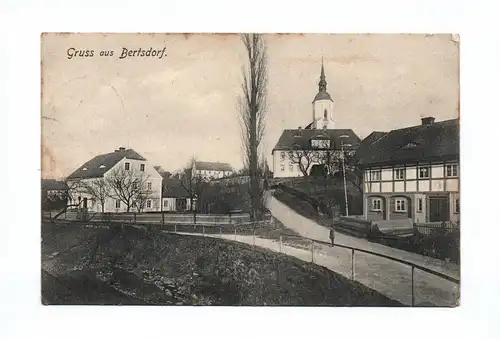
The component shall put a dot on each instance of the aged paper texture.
(248, 169)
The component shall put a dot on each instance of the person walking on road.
(332, 236)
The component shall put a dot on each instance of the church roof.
(427, 142)
(292, 138)
(322, 95)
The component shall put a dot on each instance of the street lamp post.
(343, 172)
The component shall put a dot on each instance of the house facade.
(211, 170)
(298, 150)
(175, 197)
(95, 175)
(412, 173)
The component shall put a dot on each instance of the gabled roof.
(365, 144)
(97, 166)
(53, 185)
(213, 166)
(172, 188)
(301, 138)
(435, 141)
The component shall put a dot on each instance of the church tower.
(322, 105)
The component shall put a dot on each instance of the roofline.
(411, 160)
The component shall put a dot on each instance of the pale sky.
(185, 104)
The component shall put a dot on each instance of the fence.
(274, 239)
(155, 218)
(431, 228)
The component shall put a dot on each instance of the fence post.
(162, 218)
(203, 227)
(234, 232)
(220, 231)
(281, 242)
(175, 228)
(312, 251)
(253, 238)
(50, 214)
(352, 263)
(135, 217)
(412, 286)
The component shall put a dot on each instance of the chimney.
(428, 120)
(121, 149)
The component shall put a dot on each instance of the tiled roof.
(436, 141)
(213, 166)
(172, 188)
(365, 144)
(52, 185)
(292, 138)
(97, 166)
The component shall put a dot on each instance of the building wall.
(413, 189)
(110, 204)
(284, 168)
(212, 174)
(319, 107)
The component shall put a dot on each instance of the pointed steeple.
(322, 78)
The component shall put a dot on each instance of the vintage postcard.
(250, 169)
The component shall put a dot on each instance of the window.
(399, 174)
(165, 203)
(142, 167)
(149, 185)
(376, 204)
(420, 203)
(148, 203)
(282, 168)
(451, 170)
(375, 175)
(457, 205)
(290, 168)
(127, 166)
(423, 172)
(400, 205)
(282, 155)
(117, 203)
(325, 114)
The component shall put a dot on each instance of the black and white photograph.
(250, 169)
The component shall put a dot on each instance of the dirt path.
(311, 229)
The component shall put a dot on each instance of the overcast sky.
(185, 103)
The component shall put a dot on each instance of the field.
(134, 266)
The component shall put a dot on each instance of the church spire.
(322, 78)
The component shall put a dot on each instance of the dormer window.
(102, 166)
(320, 143)
(84, 169)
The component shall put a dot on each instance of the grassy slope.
(136, 267)
(445, 247)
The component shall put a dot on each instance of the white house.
(105, 167)
(412, 172)
(308, 145)
(211, 170)
(176, 197)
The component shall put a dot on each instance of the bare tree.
(127, 185)
(98, 190)
(334, 162)
(252, 109)
(304, 158)
(74, 186)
